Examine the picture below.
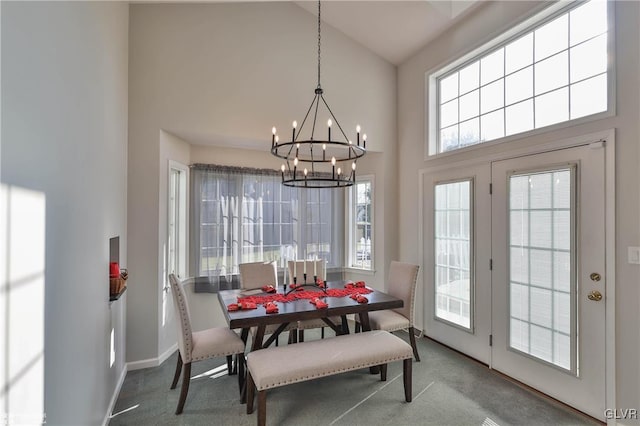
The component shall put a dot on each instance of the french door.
(548, 278)
(514, 255)
(458, 280)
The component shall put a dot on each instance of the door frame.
(607, 138)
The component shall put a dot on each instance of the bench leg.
(262, 408)
(412, 337)
(250, 390)
(301, 335)
(406, 376)
(383, 372)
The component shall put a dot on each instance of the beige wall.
(222, 75)
(64, 135)
(486, 22)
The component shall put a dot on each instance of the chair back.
(256, 274)
(402, 284)
(185, 339)
(321, 270)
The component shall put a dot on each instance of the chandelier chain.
(319, 38)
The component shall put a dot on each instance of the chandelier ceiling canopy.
(310, 161)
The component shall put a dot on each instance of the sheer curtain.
(243, 215)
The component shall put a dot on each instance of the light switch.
(634, 255)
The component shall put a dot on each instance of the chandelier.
(314, 162)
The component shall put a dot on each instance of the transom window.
(550, 73)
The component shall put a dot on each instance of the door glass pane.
(541, 276)
(453, 252)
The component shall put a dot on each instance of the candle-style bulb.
(305, 172)
(282, 168)
(298, 145)
(353, 166)
(295, 161)
(339, 171)
(364, 137)
(324, 146)
(273, 130)
(333, 161)
(350, 143)
(358, 128)
(295, 124)
(329, 122)
(277, 138)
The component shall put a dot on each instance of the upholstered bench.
(278, 366)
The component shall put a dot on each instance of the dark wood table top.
(302, 309)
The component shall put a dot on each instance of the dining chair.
(402, 284)
(255, 275)
(321, 273)
(200, 345)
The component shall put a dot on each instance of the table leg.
(345, 325)
(364, 323)
(258, 337)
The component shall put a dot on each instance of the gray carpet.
(448, 389)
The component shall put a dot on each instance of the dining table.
(340, 304)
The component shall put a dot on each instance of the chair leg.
(412, 337)
(176, 376)
(406, 376)
(300, 336)
(186, 378)
(262, 408)
(357, 327)
(230, 364)
(250, 390)
(241, 375)
(322, 333)
(383, 372)
(293, 336)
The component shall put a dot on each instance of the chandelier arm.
(336, 120)
(315, 118)
(315, 99)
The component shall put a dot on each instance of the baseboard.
(152, 362)
(114, 397)
(162, 358)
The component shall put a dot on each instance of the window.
(177, 220)
(246, 215)
(361, 224)
(542, 228)
(552, 72)
(453, 252)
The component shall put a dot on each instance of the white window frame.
(351, 255)
(182, 212)
(539, 17)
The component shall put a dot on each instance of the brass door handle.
(594, 295)
(595, 276)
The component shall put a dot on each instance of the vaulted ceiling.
(394, 30)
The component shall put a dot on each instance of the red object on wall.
(114, 270)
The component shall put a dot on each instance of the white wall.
(64, 135)
(486, 22)
(224, 74)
